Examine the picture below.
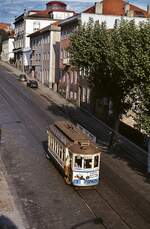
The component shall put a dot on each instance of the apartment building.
(117, 8)
(7, 54)
(72, 82)
(31, 21)
(45, 46)
(5, 31)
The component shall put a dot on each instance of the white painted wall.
(110, 20)
(31, 26)
(7, 49)
(62, 15)
(46, 56)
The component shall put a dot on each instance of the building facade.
(5, 32)
(24, 25)
(30, 22)
(45, 46)
(72, 83)
(7, 50)
(118, 8)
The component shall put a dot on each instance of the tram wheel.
(47, 156)
(67, 180)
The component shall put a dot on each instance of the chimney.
(148, 11)
(99, 7)
(25, 12)
(127, 7)
(130, 13)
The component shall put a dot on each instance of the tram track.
(127, 193)
(3, 93)
(98, 218)
(19, 109)
(87, 195)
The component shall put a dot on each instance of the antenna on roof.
(25, 12)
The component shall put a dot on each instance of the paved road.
(39, 188)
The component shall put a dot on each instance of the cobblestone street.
(123, 191)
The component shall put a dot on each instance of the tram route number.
(93, 181)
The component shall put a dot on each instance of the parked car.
(22, 77)
(32, 84)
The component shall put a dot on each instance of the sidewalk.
(114, 163)
(9, 214)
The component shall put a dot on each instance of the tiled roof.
(137, 11)
(90, 10)
(5, 26)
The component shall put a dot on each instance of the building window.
(83, 94)
(71, 95)
(75, 95)
(75, 77)
(36, 26)
(71, 77)
(88, 95)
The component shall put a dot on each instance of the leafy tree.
(117, 62)
(143, 109)
(89, 51)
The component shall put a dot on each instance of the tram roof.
(89, 150)
(71, 131)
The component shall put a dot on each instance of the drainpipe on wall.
(42, 75)
(51, 61)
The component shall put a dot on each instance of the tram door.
(68, 167)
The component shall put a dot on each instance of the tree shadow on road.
(118, 152)
(6, 223)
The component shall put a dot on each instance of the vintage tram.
(75, 153)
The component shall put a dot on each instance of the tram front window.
(88, 163)
(78, 162)
(95, 161)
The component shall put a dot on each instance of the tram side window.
(55, 145)
(63, 155)
(57, 148)
(50, 141)
(95, 161)
(88, 163)
(60, 155)
(78, 162)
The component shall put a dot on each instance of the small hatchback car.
(32, 84)
(22, 77)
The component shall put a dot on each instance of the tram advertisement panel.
(85, 178)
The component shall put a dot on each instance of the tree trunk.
(116, 124)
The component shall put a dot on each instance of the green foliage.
(117, 63)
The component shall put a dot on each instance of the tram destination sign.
(58, 134)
